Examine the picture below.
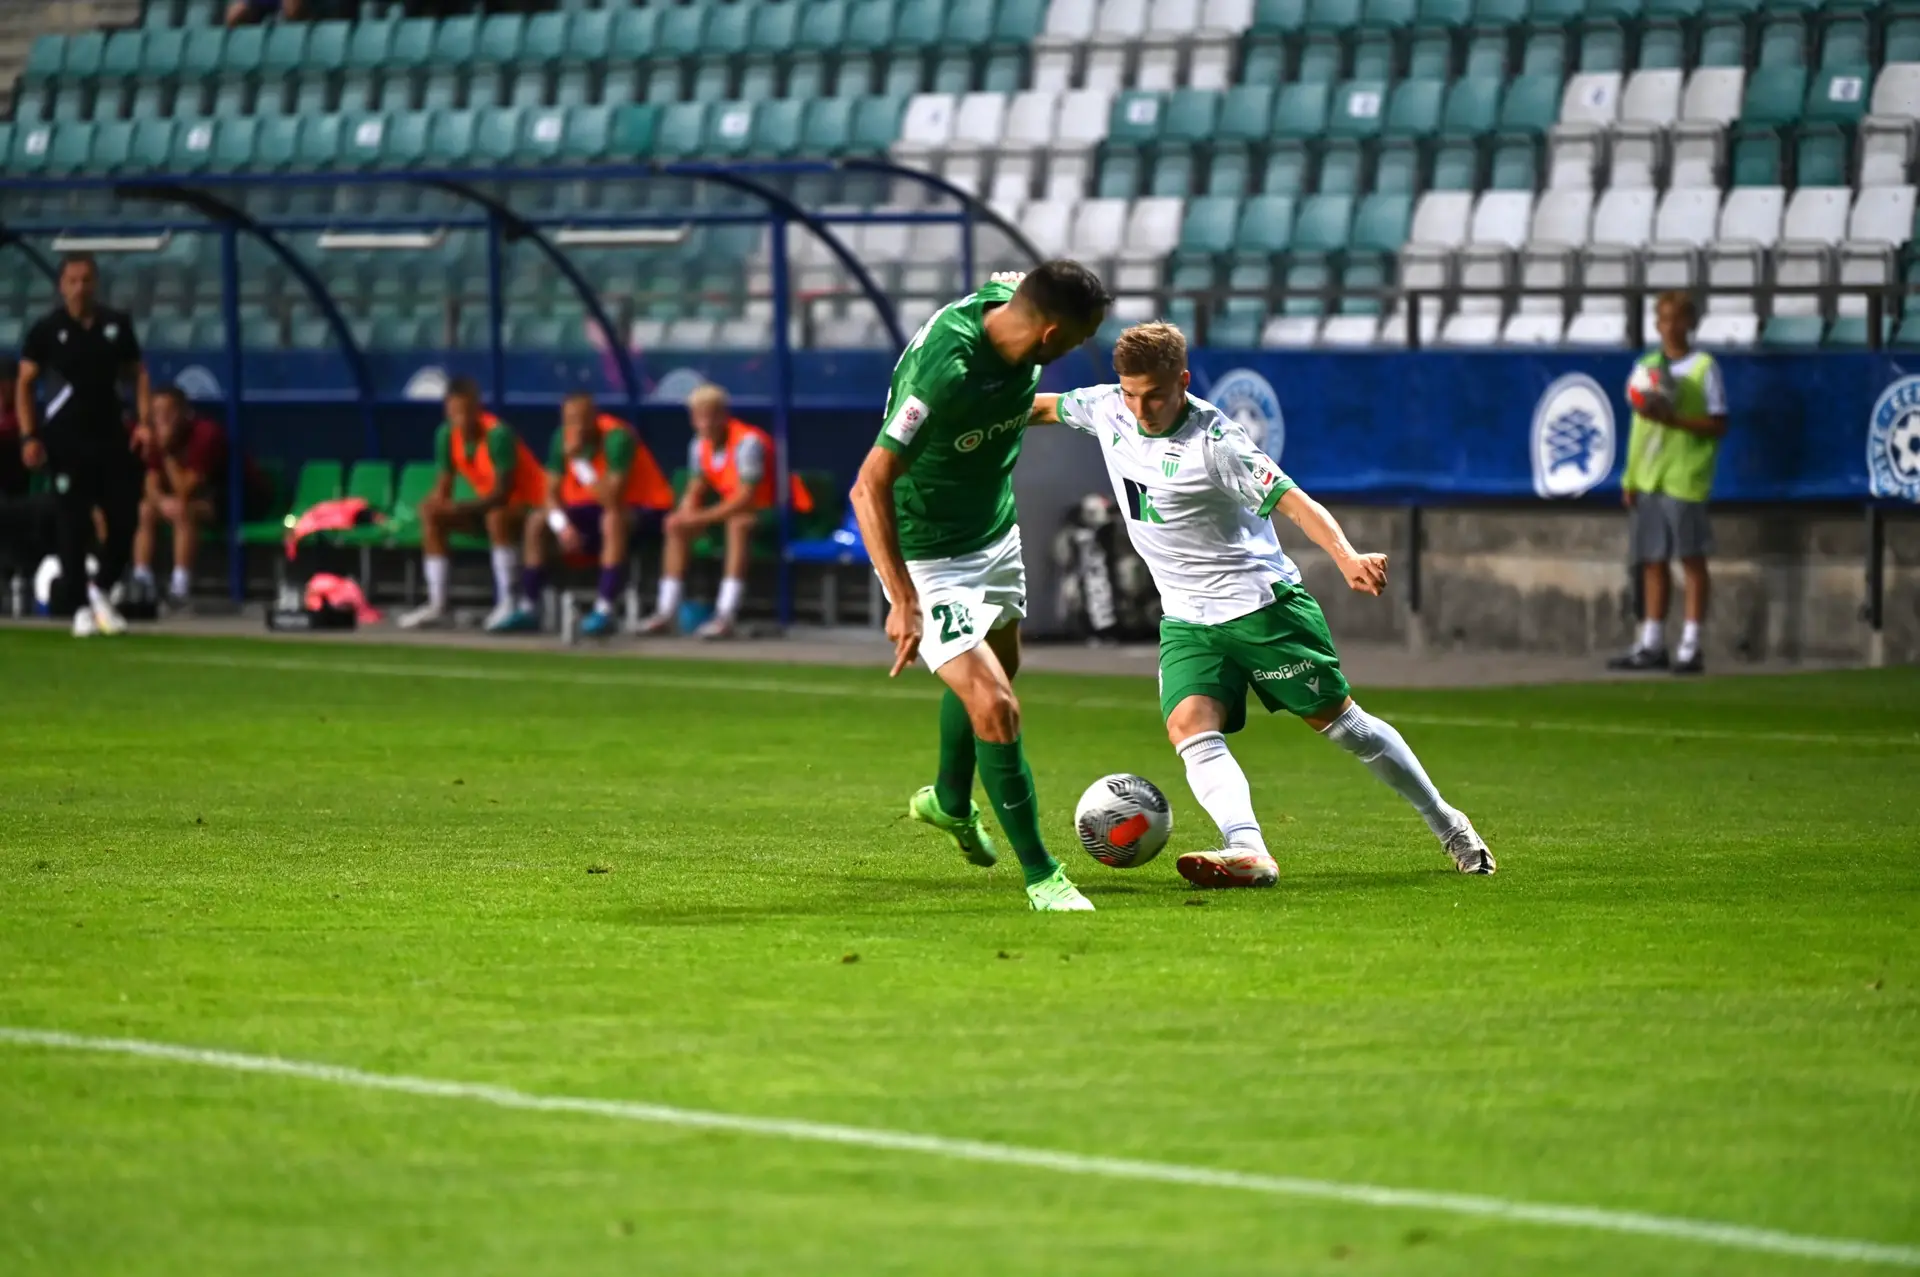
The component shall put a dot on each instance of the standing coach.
(83, 439)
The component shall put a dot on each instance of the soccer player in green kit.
(935, 504)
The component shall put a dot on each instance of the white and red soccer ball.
(1650, 388)
(1123, 820)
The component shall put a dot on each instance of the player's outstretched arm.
(872, 498)
(1046, 411)
(1366, 573)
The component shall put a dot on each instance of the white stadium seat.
(1574, 155)
(1210, 60)
(1638, 154)
(1484, 267)
(927, 125)
(1733, 266)
(1651, 97)
(1170, 25)
(1056, 53)
(1117, 33)
(1752, 215)
(1883, 214)
(1441, 217)
(1471, 329)
(1562, 217)
(1029, 130)
(1153, 231)
(1393, 329)
(1800, 264)
(1887, 134)
(1649, 105)
(1723, 330)
(1099, 228)
(1713, 94)
(1863, 264)
(1527, 328)
(1045, 222)
(1501, 217)
(1592, 98)
(1699, 150)
(1291, 332)
(1596, 328)
(1687, 216)
(1624, 218)
(1350, 330)
(1818, 214)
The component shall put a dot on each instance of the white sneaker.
(1229, 867)
(84, 626)
(428, 616)
(716, 627)
(106, 620)
(658, 623)
(1469, 850)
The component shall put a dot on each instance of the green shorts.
(1283, 652)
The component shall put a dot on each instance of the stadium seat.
(1472, 108)
(318, 481)
(1501, 218)
(1562, 220)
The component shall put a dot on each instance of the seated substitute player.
(602, 484)
(935, 504)
(732, 463)
(506, 477)
(1199, 497)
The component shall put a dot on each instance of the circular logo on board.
(198, 383)
(676, 386)
(1248, 398)
(427, 384)
(1573, 437)
(1893, 442)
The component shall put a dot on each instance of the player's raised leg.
(1385, 753)
(1196, 728)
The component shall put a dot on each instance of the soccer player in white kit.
(1199, 499)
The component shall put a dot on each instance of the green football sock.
(1009, 785)
(953, 786)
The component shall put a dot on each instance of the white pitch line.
(1146, 703)
(1706, 1232)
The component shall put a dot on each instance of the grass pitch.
(1690, 991)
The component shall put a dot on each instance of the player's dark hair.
(463, 387)
(1062, 289)
(1682, 300)
(79, 259)
(176, 394)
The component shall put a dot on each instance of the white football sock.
(505, 565)
(1689, 640)
(1215, 777)
(1653, 637)
(181, 583)
(1387, 755)
(668, 600)
(435, 567)
(731, 590)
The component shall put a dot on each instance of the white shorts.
(964, 597)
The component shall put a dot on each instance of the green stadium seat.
(1306, 281)
(1850, 332)
(149, 102)
(1207, 229)
(1283, 18)
(1228, 174)
(545, 41)
(1246, 115)
(235, 140)
(46, 60)
(1545, 54)
(1662, 48)
(413, 46)
(1373, 56)
(1500, 13)
(1006, 72)
(162, 53)
(84, 54)
(778, 128)
(456, 40)
(320, 144)
(502, 39)
(1413, 110)
(827, 127)
(1320, 60)
(112, 147)
(1444, 13)
(1263, 62)
(285, 51)
(918, 24)
(150, 145)
(729, 29)
(192, 146)
(1471, 109)
(1265, 228)
(952, 73)
(1375, 15)
(496, 135)
(1289, 169)
(372, 482)
(1300, 111)
(969, 24)
(441, 91)
(1902, 42)
(1430, 56)
(406, 142)
(869, 27)
(1358, 108)
(729, 129)
(416, 483)
(1773, 96)
(1173, 175)
(1487, 56)
(682, 130)
(1120, 175)
(1531, 105)
(1756, 158)
(1382, 223)
(1324, 225)
(1456, 166)
(1134, 119)
(1017, 22)
(1783, 43)
(1396, 170)
(1839, 95)
(620, 86)
(1603, 47)
(876, 124)
(1792, 331)
(591, 36)
(318, 481)
(712, 82)
(1191, 118)
(807, 77)
(1724, 44)
(369, 46)
(122, 56)
(1516, 165)
(1820, 156)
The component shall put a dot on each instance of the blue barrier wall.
(1435, 426)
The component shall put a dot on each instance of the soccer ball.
(1650, 387)
(1123, 820)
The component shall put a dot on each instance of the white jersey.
(1198, 503)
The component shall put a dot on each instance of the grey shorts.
(1661, 528)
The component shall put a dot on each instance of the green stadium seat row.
(824, 127)
(1359, 109)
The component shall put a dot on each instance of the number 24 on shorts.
(954, 619)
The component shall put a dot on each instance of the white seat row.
(1005, 146)
(1110, 44)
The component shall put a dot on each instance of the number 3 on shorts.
(955, 622)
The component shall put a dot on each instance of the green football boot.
(967, 832)
(1055, 894)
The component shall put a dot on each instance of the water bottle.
(17, 595)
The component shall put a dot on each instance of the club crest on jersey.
(1249, 399)
(1893, 441)
(1170, 462)
(1573, 437)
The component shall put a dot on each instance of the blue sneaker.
(598, 624)
(521, 620)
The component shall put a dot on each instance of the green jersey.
(957, 414)
(615, 447)
(1665, 458)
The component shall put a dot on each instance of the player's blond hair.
(705, 394)
(1157, 349)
